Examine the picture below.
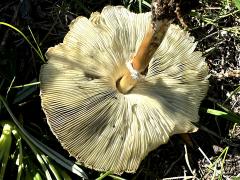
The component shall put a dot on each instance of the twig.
(187, 160)
(204, 155)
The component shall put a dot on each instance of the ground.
(214, 24)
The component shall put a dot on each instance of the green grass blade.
(27, 90)
(37, 176)
(44, 168)
(20, 154)
(226, 114)
(140, 5)
(24, 93)
(129, 4)
(102, 176)
(237, 3)
(25, 37)
(147, 4)
(6, 142)
(51, 167)
(10, 86)
(114, 177)
(39, 50)
(219, 158)
(234, 92)
(25, 85)
(216, 112)
(63, 173)
(45, 149)
(223, 161)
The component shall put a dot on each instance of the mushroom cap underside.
(101, 127)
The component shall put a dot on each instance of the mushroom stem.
(149, 45)
(162, 15)
(140, 62)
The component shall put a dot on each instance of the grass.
(40, 150)
(36, 49)
(25, 36)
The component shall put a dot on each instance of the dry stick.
(162, 15)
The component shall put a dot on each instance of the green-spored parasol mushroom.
(119, 86)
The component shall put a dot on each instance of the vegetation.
(28, 150)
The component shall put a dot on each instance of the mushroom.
(104, 127)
